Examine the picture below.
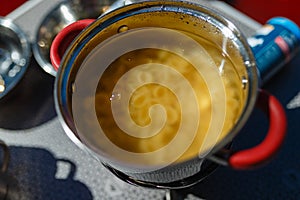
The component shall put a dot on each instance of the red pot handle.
(64, 38)
(261, 153)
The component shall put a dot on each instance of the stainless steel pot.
(174, 15)
(15, 55)
(59, 17)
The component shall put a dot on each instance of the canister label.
(273, 46)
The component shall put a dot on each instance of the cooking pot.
(168, 24)
(60, 16)
(15, 55)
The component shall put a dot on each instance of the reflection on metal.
(294, 103)
(67, 13)
(2, 84)
(14, 55)
(59, 17)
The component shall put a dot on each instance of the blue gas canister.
(273, 45)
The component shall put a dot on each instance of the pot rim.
(66, 70)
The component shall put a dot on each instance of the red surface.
(64, 38)
(7, 6)
(262, 10)
(263, 152)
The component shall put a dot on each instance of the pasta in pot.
(162, 94)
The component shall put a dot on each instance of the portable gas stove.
(45, 164)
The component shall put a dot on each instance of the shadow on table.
(35, 175)
(30, 103)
